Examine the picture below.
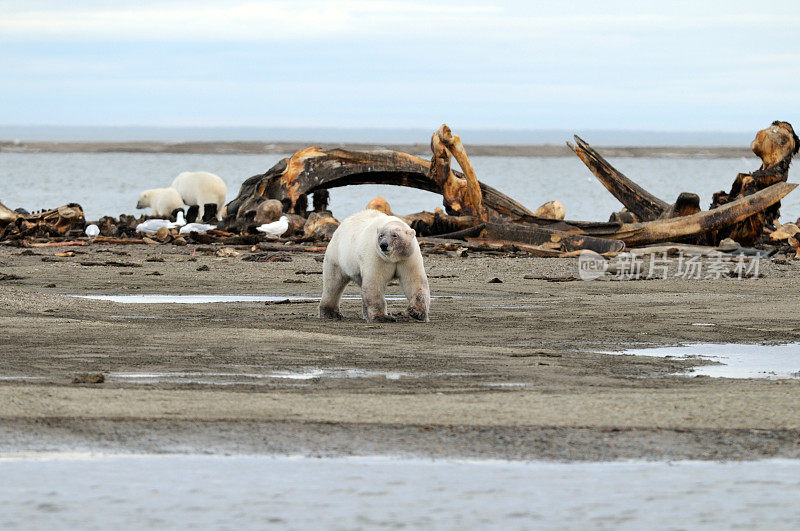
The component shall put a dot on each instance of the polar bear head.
(145, 199)
(395, 241)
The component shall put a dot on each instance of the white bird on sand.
(151, 226)
(199, 228)
(92, 231)
(276, 228)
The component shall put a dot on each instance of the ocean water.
(110, 183)
(84, 491)
(599, 137)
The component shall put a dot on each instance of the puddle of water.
(207, 299)
(254, 492)
(772, 362)
(232, 378)
(519, 307)
(192, 299)
(174, 317)
(505, 384)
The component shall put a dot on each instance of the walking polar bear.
(201, 188)
(370, 249)
(163, 201)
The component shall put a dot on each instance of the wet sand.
(421, 149)
(511, 370)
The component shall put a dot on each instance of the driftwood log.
(674, 229)
(752, 210)
(314, 169)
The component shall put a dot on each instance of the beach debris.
(268, 211)
(112, 263)
(551, 210)
(320, 225)
(203, 268)
(784, 232)
(276, 228)
(227, 252)
(268, 257)
(61, 221)
(741, 214)
(380, 204)
(56, 244)
(92, 230)
(92, 378)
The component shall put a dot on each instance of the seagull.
(151, 226)
(92, 231)
(180, 221)
(200, 228)
(276, 228)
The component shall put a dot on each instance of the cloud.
(314, 19)
(226, 21)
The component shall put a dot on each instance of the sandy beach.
(511, 370)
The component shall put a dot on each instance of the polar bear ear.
(411, 232)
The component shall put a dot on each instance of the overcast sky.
(727, 66)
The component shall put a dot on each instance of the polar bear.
(163, 201)
(371, 248)
(201, 188)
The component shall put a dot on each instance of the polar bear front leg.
(373, 303)
(414, 282)
(333, 283)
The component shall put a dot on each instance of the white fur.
(163, 201)
(353, 254)
(201, 188)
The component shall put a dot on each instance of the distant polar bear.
(163, 201)
(201, 188)
(371, 248)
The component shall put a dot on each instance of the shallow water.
(212, 299)
(231, 378)
(772, 362)
(110, 183)
(254, 492)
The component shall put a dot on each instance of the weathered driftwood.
(641, 203)
(555, 239)
(775, 145)
(7, 215)
(664, 230)
(56, 222)
(314, 169)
